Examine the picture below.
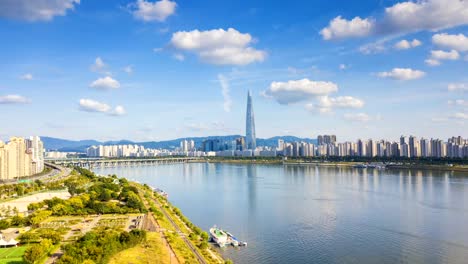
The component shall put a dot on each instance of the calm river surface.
(309, 214)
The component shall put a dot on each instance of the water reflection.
(322, 214)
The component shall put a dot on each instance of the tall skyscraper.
(250, 140)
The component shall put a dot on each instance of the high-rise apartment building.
(326, 139)
(21, 158)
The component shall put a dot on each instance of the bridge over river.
(109, 162)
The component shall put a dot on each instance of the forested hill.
(81, 145)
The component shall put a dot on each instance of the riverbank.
(89, 206)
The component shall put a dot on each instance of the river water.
(317, 214)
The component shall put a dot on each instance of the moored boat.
(218, 236)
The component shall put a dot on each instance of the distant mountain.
(81, 145)
(59, 144)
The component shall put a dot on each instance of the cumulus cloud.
(298, 90)
(105, 83)
(455, 87)
(405, 44)
(445, 55)
(14, 99)
(455, 42)
(340, 28)
(27, 76)
(433, 15)
(37, 10)
(153, 11)
(402, 18)
(402, 74)
(219, 46)
(118, 111)
(225, 90)
(438, 55)
(340, 102)
(89, 105)
(327, 104)
(357, 117)
(432, 62)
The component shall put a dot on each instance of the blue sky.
(155, 70)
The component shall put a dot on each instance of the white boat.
(218, 236)
(234, 242)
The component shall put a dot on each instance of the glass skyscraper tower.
(250, 140)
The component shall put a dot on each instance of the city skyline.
(124, 71)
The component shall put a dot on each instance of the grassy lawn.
(152, 251)
(12, 255)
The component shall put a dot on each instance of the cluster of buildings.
(326, 145)
(454, 147)
(124, 151)
(21, 157)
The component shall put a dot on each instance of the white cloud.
(456, 42)
(118, 111)
(298, 90)
(27, 76)
(89, 105)
(343, 66)
(372, 48)
(357, 117)
(225, 90)
(313, 108)
(340, 102)
(105, 83)
(402, 18)
(327, 104)
(179, 57)
(153, 11)
(454, 87)
(405, 44)
(232, 56)
(445, 55)
(14, 99)
(219, 46)
(128, 69)
(432, 62)
(402, 74)
(98, 65)
(412, 16)
(340, 28)
(438, 55)
(36, 10)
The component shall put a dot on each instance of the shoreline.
(342, 164)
